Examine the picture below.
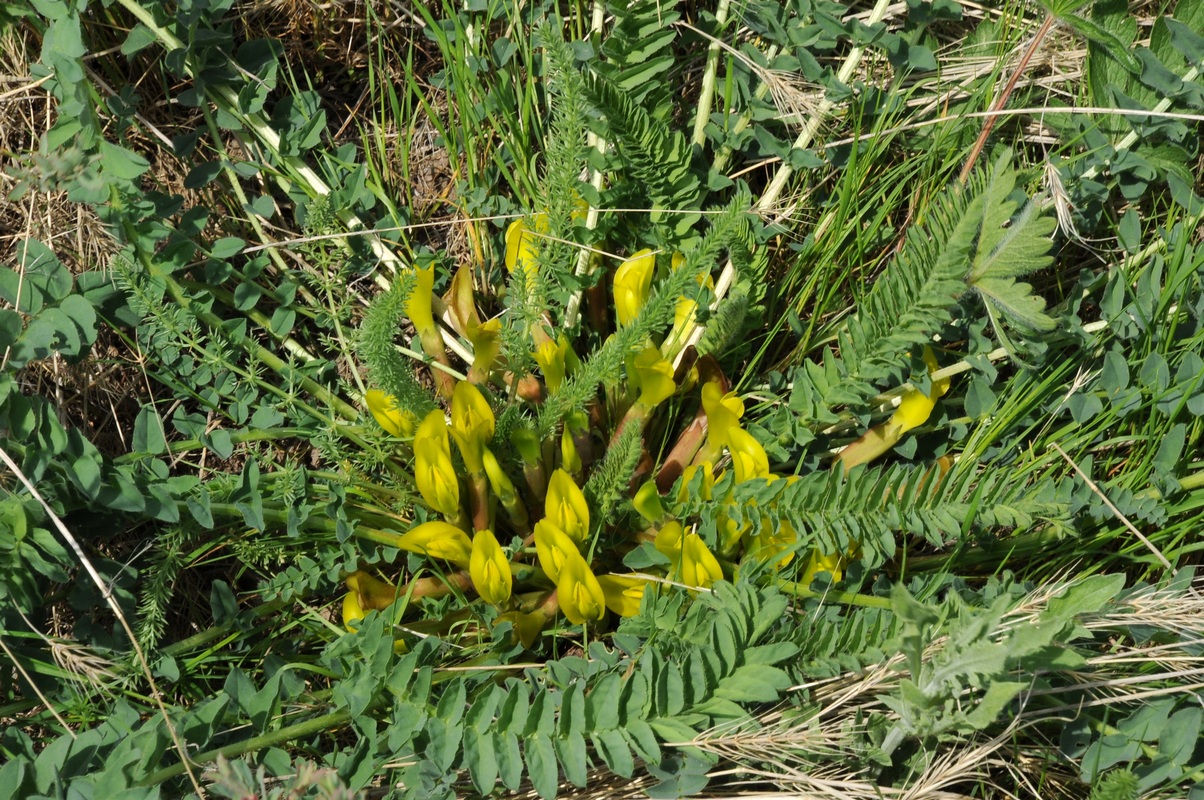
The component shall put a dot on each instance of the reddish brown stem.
(1001, 101)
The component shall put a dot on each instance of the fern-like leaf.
(389, 371)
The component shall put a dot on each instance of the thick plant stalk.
(706, 96)
(585, 257)
(772, 192)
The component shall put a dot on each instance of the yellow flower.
(486, 340)
(748, 456)
(647, 502)
(472, 424)
(438, 540)
(388, 414)
(436, 477)
(668, 539)
(418, 304)
(916, 407)
(554, 548)
(633, 283)
(490, 569)
(550, 357)
(434, 429)
(353, 613)
(653, 373)
(570, 459)
(818, 563)
(371, 592)
(723, 413)
(623, 593)
(565, 506)
(579, 593)
(522, 245)
(699, 567)
(526, 626)
(770, 544)
(708, 481)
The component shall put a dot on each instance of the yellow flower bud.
(668, 539)
(623, 593)
(818, 563)
(522, 244)
(438, 540)
(433, 429)
(554, 548)
(388, 414)
(490, 569)
(699, 567)
(550, 357)
(770, 543)
(526, 626)
(371, 592)
(579, 593)
(748, 456)
(723, 413)
(565, 506)
(647, 502)
(436, 477)
(916, 407)
(418, 304)
(687, 477)
(633, 284)
(353, 613)
(472, 424)
(570, 459)
(653, 374)
(486, 340)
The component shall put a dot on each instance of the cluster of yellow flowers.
(561, 537)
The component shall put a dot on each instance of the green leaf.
(541, 765)
(481, 760)
(640, 736)
(122, 163)
(1086, 596)
(1182, 735)
(148, 432)
(992, 703)
(602, 704)
(139, 37)
(1101, 36)
(509, 760)
(754, 683)
(612, 747)
(573, 758)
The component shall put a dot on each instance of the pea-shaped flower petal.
(353, 612)
(418, 304)
(490, 569)
(579, 593)
(438, 540)
(388, 414)
(633, 283)
(436, 477)
(706, 484)
(723, 412)
(565, 506)
(916, 407)
(472, 424)
(433, 429)
(749, 459)
(623, 593)
(653, 373)
(550, 357)
(554, 549)
(699, 567)
(668, 539)
(522, 244)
